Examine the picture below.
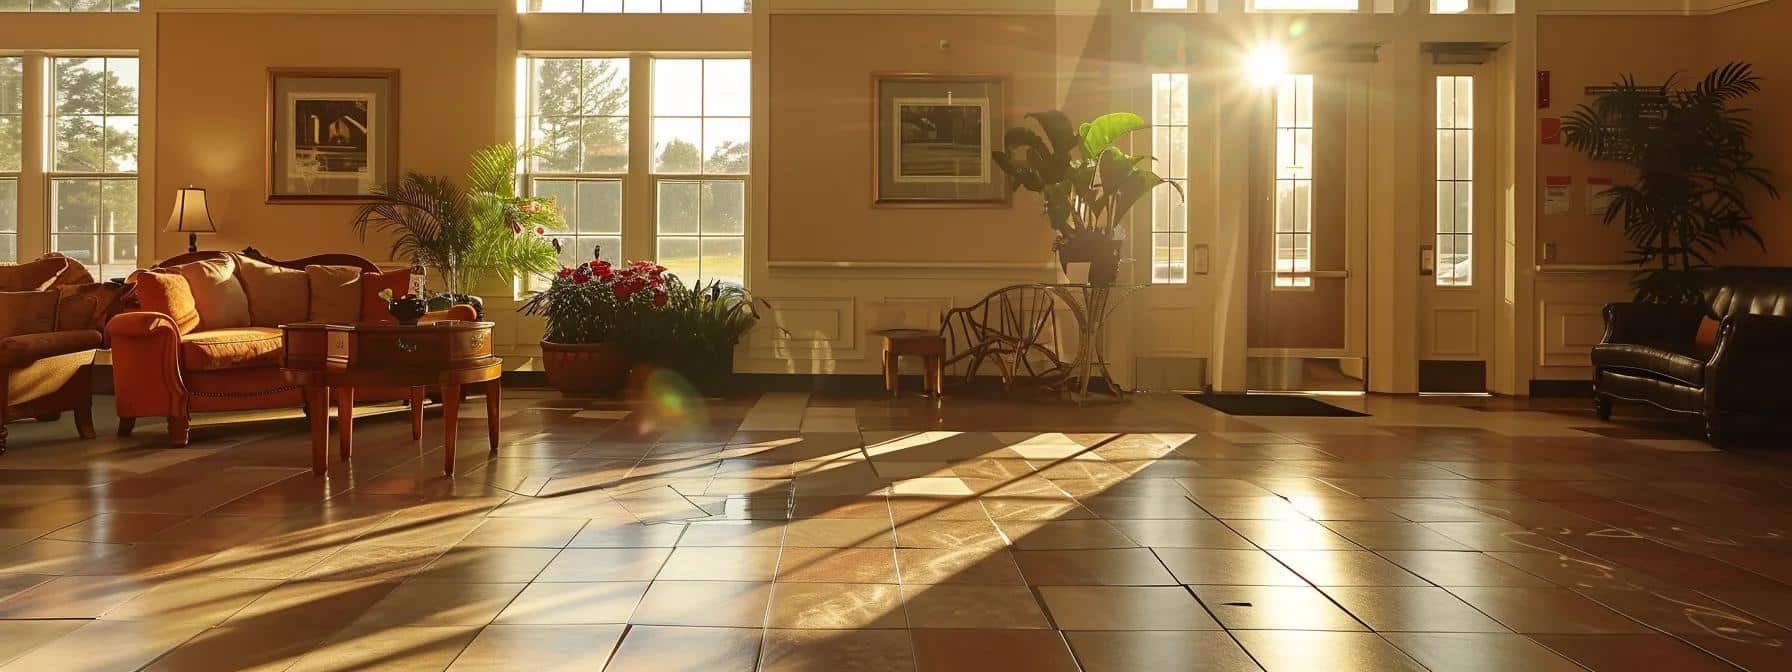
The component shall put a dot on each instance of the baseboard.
(1562, 388)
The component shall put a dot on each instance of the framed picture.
(332, 134)
(934, 135)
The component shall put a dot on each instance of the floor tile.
(17, 637)
(836, 606)
(524, 532)
(312, 604)
(1274, 608)
(415, 603)
(1125, 608)
(837, 651)
(837, 565)
(1182, 534)
(1627, 653)
(604, 564)
(1346, 568)
(235, 648)
(1291, 535)
(727, 563)
(1107, 567)
(967, 565)
(404, 649)
(106, 646)
(1132, 651)
(965, 606)
(601, 534)
(1411, 609)
(648, 648)
(548, 648)
(198, 599)
(1480, 652)
(720, 604)
(574, 603)
(1547, 611)
(983, 650)
(1308, 650)
(840, 533)
(733, 533)
(475, 564)
(1063, 534)
(1227, 567)
(1455, 568)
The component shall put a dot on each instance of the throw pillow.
(1706, 340)
(87, 306)
(28, 312)
(373, 308)
(167, 293)
(32, 276)
(216, 292)
(335, 293)
(277, 294)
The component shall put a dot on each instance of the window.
(1449, 6)
(1304, 5)
(1455, 180)
(701, 134)
(93, 162)
(69, 5)
(12, 154)
(639, 6)
(1169, 142)
(579, 128)
(1294, 181)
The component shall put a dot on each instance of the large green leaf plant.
(464, 233)
(1688, 149)
(1088, 184)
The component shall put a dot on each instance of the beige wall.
(820, 176)
(1757, 35)
(212, 105)
(1582, 51)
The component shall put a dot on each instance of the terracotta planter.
(586, 368)
(1103, 257)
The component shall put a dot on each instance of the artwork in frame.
(934, 135)
(332, 134)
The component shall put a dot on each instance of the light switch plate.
(1202, 259)
(1549, 252)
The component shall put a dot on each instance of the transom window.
(1455, 180)
(93, 162)
(701, 156)
(70, 5)
(579, 130)
(639, 6)
(1305, 5)
(1294, 182)
(1169, 142)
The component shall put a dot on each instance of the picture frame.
(932, 138)
(332, 134)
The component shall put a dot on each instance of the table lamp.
(191, 216)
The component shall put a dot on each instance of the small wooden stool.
(928, 345)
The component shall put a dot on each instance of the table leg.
(417, 401)
(317, 404)
(450, 420)
(494, 402)
(892, 373)
(345, 422)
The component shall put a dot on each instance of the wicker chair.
(1016, 327)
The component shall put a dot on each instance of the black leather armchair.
(1650, 351)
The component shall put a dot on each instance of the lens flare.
(1267, 64)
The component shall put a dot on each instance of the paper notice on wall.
(1558, 194)
(1599, 196)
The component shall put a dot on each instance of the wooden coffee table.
(341, 357)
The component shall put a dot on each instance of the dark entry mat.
(1273, 404)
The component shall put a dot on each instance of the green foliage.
(1689, 151)
(463, 234)
(1088, 184)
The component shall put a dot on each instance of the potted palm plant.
(1087, 183)
(1688, 152)
(464, 233)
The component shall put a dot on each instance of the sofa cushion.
(220, 349)
(17, 352)
(217, 294)
(1683, 368)
(373, 308)
(335, 294)
(87, 306)
(28, 312)
(169, 294)
(277, 294)
(32, 276)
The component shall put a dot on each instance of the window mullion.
(34, 188)
(637, 191)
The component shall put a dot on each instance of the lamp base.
(192, 242)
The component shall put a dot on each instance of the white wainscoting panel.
(1455, 332)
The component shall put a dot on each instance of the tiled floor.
(788, 532)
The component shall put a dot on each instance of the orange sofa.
(206, 335)
(51, 313)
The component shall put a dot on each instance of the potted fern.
(1688, 151)
(1087, 183)
(465, 233)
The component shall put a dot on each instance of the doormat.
(1273, 404)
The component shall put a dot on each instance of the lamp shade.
(191, 215)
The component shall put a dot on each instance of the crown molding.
(1641, 7)
(330, 6)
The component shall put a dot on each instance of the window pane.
(9, 220)
(680, 256)
(564, 193)
(724, 259)
(676, 145)
(556, 144)
(121, 144)
(606, 144)
(600, 207)
(727, 87)
(118, 206)
(724, 208)
(677, 87)
(725, 144)
(12, 109)
(77, 206)
(679, 203)
(81, 86)
(95, 124)
(80, 144)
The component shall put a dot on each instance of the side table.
(341, 357)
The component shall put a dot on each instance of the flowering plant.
(597, 302)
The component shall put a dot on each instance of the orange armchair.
(164, 368)
(46, 368)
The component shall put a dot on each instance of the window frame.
(17, 176)
(1173, 172)
(1457, 182)
(523, 7)
(656, 178)
(52, 176)
(528, 174)
(111, 8)
(1280, 280)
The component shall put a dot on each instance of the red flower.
(581, 278)
(623, 290)
(602, 269)
(659, 299)
(565, 272)
(541, 230)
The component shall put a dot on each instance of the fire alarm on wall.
(945, 45)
